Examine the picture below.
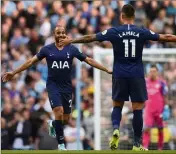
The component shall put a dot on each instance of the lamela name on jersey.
(129, 33)
(60, 64)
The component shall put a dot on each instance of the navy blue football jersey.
(60, 65)
(127, 41)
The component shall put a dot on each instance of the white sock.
(51, 123)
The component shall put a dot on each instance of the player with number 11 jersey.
(128, 41)
(128, 73)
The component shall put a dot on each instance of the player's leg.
(160, 139)
(148, 123)
(116, 114)
(160, 125)
(51, 124)
(116, 118)
(137, 122)
(60, 132)
(119, 95)
(57, 124)
(146, 138)
(138, 95)
(66, 118)
(67, 106)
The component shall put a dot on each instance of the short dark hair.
(154, 66)
(59, 27)
(128, 10)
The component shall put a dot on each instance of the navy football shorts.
(125, 88)
(61, 99)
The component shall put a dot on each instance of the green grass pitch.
(86, 152)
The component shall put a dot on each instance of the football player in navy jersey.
(128, 72)
(59, 60)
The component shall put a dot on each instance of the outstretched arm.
(95, 64)
(83, 39)
(9, 75)
(167, 37)
(106, 35)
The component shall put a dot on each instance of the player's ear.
(121, 17)
(133, 17)
(65, 31)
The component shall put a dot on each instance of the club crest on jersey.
(60, 64)
(68, 55)
(104, 32)
(131, 33)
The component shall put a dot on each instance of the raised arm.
(83, 39)
(167, 38)
(9, 75)
(97, 65)
(106, 35)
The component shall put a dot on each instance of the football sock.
(137, 126)
(59, 130)
(160, 140)
(146, 139)
(116, 117)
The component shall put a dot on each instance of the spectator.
(88, 123)
(34, 42)
(140, 14)
(44, 141)
(39, 82)
(18, 39)
(171, 10)
(43, 103)
(159, 22)
(7, 112)
(153, 7)
(43, 69)
(94, 19)
(71, 134)
(45, 28)
(4, 135)
(85, 10)
(22, 132)
(9, 8)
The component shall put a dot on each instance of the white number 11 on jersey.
(133, 42)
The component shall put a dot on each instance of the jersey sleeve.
(79, 55)
(41, 54)
(150, 35)
(106, 35)
(164, 88)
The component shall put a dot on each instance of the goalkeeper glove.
(166, 113)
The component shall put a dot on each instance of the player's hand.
(166, 113)
(7, 76)
(65, 41)
(109, 71)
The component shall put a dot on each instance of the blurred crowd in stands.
(27, 26)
